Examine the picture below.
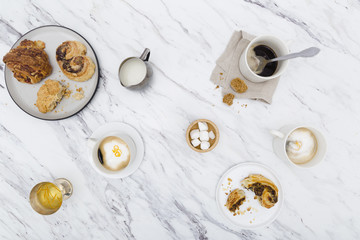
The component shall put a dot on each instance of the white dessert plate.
(256, 216)
(126, 132)
(25, 95)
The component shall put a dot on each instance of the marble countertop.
(172, 194)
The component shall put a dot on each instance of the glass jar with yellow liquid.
(46, 197)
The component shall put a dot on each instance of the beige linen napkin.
(227, 68)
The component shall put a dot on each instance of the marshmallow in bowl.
(196, 142)
(195, 134)
(203, 126)
(204, 135)
(204, 145)
(211, 135)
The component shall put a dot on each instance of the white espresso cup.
(276, 45)
(94, 144)
(281, 136)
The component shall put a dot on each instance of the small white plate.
(258, 216)
(25, 95)
(130, 135)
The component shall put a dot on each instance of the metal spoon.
(309, 52)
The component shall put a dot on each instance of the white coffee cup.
(94, 144)
(275, 44)
(279, 144)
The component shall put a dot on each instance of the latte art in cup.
(115, 153)
(301, 146)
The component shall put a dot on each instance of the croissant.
(70, 56)
(235, 199)
(29, 62)
(264, 188)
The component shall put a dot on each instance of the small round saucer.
(129, 135)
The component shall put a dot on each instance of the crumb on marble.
(228, 99)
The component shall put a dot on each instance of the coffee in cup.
(114, 153)
(267, 47)
(303, 146)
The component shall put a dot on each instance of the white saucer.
(258, 216)
(130, 135)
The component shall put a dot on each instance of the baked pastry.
(264, 189)
(49, 95)
(73, 62)
(29, 62)
(235, 199)
(228, 99)
(238, 85)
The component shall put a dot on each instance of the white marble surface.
(172, 195)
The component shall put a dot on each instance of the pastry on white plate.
(49, 95)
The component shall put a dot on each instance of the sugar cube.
(211, 135)
(204, 136)
(204, 145)
(195, 134)
(203, 126)
(196, 142)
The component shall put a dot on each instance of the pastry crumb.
(67, 93)
(79, 94)
(228, 99)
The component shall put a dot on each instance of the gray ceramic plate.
(25, 95)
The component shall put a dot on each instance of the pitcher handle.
(145, 55)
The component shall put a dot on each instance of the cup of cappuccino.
(112, 155)
(302, 146)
